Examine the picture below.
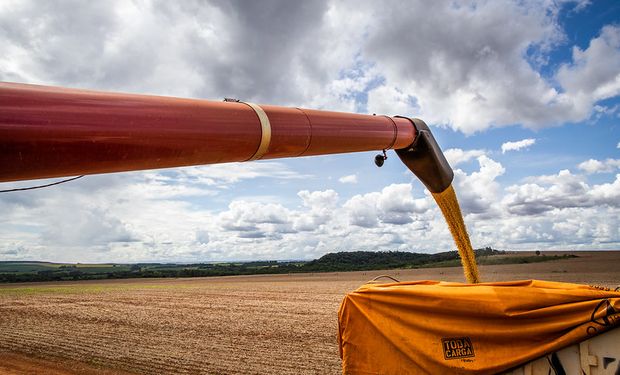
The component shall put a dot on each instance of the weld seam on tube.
(395, 133)
(310, 126)
(265, 127)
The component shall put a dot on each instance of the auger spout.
(425, 159)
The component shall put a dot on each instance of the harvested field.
(251, 324)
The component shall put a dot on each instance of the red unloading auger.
(55, 132)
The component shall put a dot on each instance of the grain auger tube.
(57, 132)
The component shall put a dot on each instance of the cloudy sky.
(523, 96)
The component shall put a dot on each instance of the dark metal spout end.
(426, 160)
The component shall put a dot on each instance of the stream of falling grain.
(449, 205)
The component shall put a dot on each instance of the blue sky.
(523, 96)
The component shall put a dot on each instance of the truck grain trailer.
(521, 327)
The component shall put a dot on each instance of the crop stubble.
(259, 324)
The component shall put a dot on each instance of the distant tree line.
(332, 262)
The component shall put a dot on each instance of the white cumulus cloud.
(394, 204)
(479, 191)
(594, 73)
(560, 191)
(599, 166)
(517, 145)
(349, 179)
(456, 156)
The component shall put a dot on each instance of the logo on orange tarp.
(457, 347)
(604, 316)
(607, 314)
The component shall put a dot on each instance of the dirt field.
(254, 325)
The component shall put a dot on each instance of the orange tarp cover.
(430, 327)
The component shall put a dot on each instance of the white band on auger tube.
(265, 126)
